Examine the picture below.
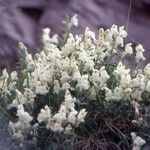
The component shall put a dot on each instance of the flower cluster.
(66, 116)
(78, 68)
(20, 128)
(8, 83)
(128, 86)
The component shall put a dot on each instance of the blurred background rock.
(23, 20)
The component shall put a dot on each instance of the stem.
(97, 94)
(128, 17)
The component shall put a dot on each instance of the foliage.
(77, 92)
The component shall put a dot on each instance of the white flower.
(41, 88)
(115, 31)
(82, 56)
(60, 117)
(20, 99)
(63, 109)
(139, 82)
(128, 49)
(118, 34)
(29, 61)
(65, 77)
(57, 127)
(13, 81)
(81, 115)
(20, 128)
(136, 94)
(5, 74)
(95, 76)
(89, 33)
(79, 44)
(127, 93)
(148, 86)
(124, 74)
(119, 41)
(22, 46)
(76, 76)
(108, 35)
(23, 116)
(44, 115)
(103, 76)
(74, 20)
(29, 95)
(54, 39)
(139, 56)
(89, 64)
(137, 141)
(12, 86)
(83, 83)
(56, 88)
(14, 75)
(118, 93)
(121, 69)
(125, 80)
(4, 82)
(69, 100)
(65, 86)
(46, 37)
(122, 32)
(72, 116)
(139, 48)
(139, 53)
(69, 47)
(147, 71)
(136, 107)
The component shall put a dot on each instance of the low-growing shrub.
(79, 92)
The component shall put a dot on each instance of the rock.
(15, 26)
(6, 141)
(30, 145)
